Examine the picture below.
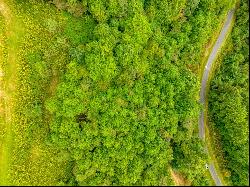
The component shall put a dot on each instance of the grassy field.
(25, 158)
(2, 98)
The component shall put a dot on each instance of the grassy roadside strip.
(201, 68)
(208, 49)
(212, 137)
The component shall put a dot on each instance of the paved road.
(203, 93)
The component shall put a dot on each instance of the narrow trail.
(178, 179)
(7, 88)
(204, 84)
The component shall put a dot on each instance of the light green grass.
(2, 106)
(26, 161)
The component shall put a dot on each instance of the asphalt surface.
(204, 85)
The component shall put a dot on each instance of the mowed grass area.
(2, 94)
(30, 40)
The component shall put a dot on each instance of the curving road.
(204, 85)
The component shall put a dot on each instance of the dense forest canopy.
(229, 99)
(125, 107)
(108, 90)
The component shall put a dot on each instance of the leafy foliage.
(125, 107)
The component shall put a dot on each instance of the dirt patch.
(4, 10)
(53, 84)
(178, 179)
(5, 103)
